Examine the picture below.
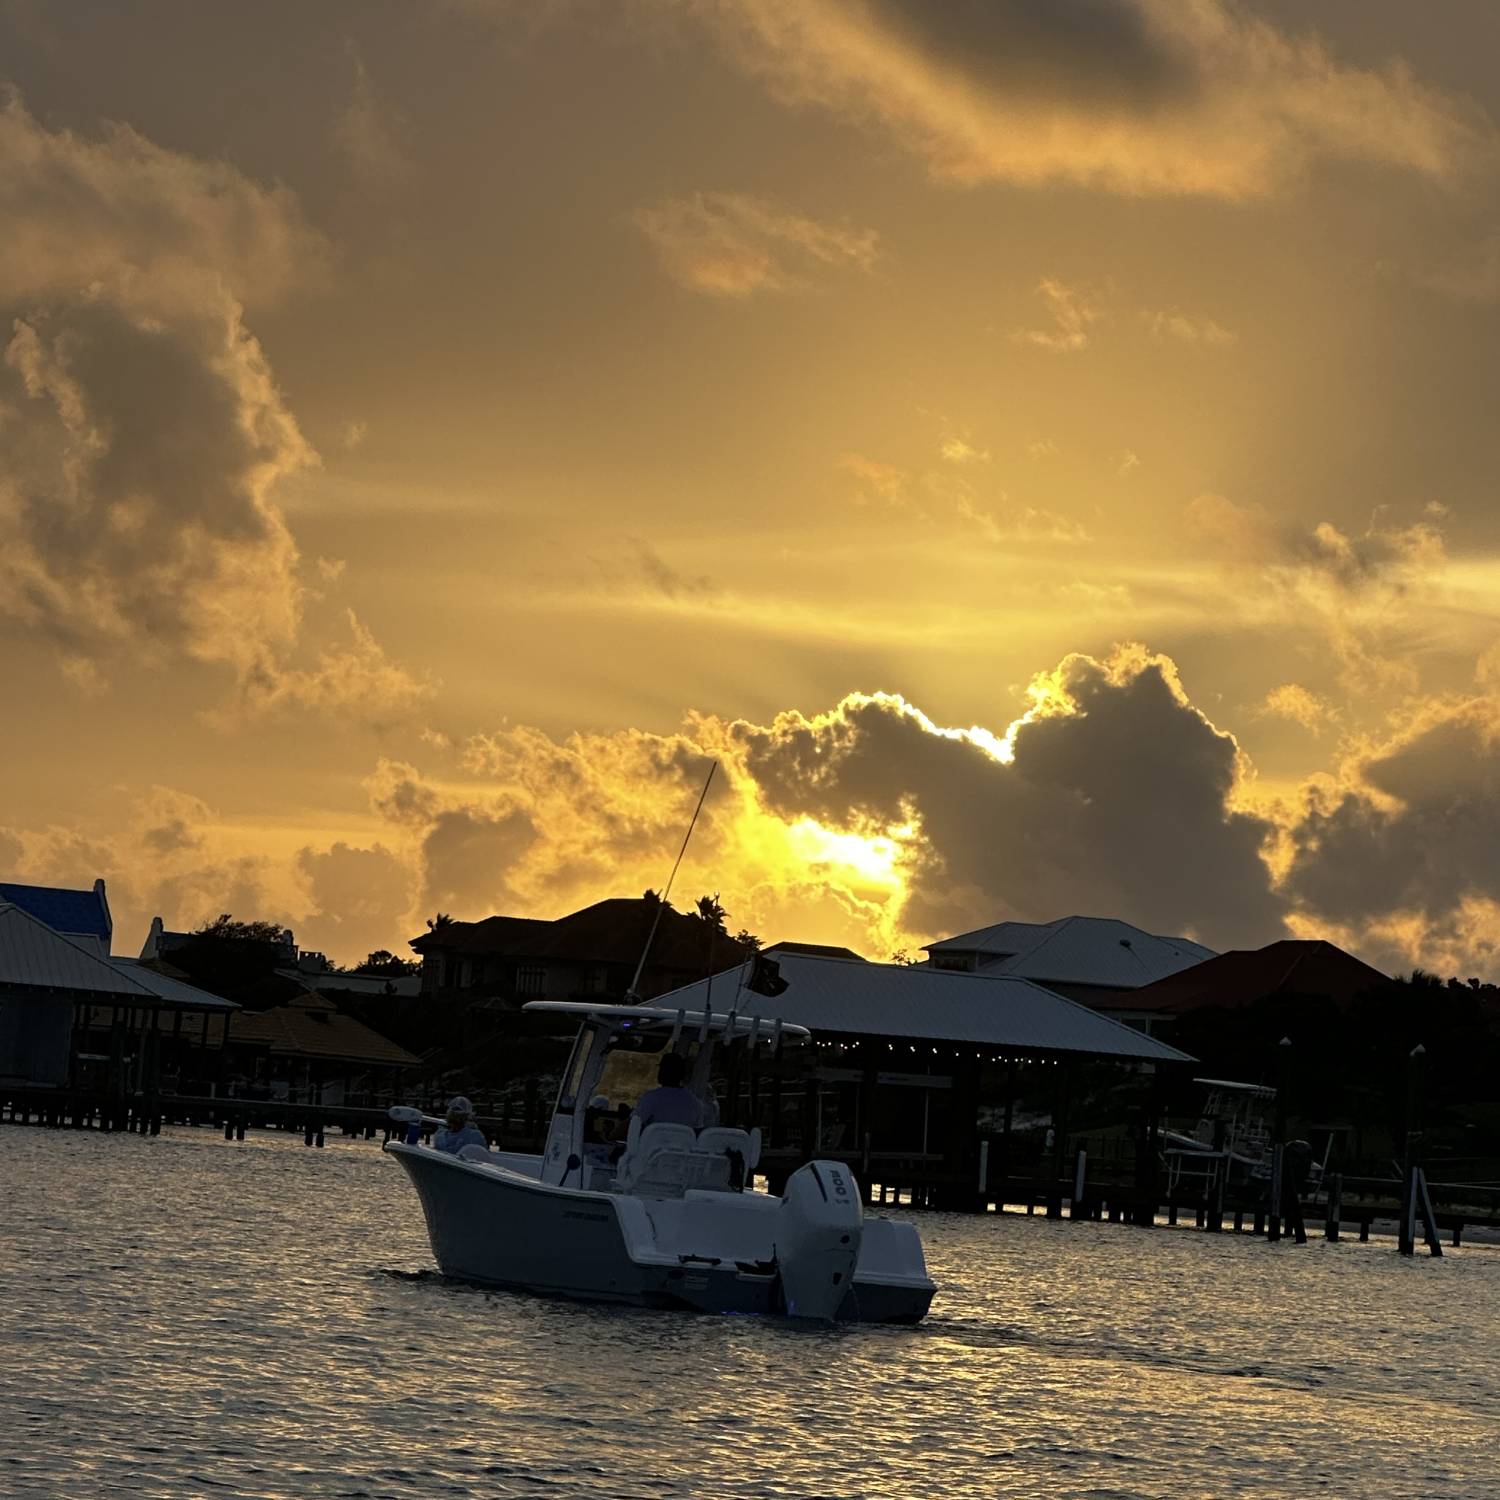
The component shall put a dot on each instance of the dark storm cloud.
(1135, 96)
(1421, 832)
(1117, 806)
(1102, 48)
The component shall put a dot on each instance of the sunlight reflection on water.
(187, 1316)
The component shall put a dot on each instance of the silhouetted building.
(72, 1015)
(1099, 961)
(307, 1051)
(815, 950)
(911, 1065)
(1305, 968)
(161, 942)
(81, 915)
(589, 954)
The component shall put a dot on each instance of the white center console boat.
(665, 1216)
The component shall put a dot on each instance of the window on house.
(531, 979)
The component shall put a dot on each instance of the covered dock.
(953, 1088)
(108, 1034)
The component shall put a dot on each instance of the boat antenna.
(632, 992)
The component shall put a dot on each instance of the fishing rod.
(633, 993)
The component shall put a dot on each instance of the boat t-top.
(666, 1215)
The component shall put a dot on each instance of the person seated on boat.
(460, 1129)
(672, 1102)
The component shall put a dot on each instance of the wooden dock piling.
(1335, 1189)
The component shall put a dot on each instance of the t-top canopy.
(657, 1018)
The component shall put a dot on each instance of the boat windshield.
(630, 1067)
(567, 1096)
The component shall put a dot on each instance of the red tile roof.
(311, 1027)
(1244, 975)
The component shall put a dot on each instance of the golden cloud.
(736, 244)
(1155, 97)
(148, 433)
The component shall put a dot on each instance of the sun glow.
(859, 859)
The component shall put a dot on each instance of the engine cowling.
(817, 1239)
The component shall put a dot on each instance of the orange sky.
(1045, 451)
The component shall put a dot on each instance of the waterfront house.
(588, 954)
(1100, 961)
(1304, 968)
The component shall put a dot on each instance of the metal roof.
(329, 982)
(32, 954)
(70, 912)
(173, 993)
(865, 999)
(658, 1018)
(1100, 951)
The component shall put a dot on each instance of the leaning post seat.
(664, 1161)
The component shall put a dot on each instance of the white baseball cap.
(458, 1105)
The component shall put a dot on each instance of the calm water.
(186, 1316)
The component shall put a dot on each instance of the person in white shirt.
(460, 1130)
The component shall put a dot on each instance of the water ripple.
(186, 1316)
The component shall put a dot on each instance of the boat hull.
(710, 1252)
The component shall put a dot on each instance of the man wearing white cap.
(460, 1131)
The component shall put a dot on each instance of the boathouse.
(926, 1075)
(73, 1016)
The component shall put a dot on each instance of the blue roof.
(63, 911)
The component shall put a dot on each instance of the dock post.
(1335, 1188)
(1406, 1237)
(1273, 1221)
(1429, 1218)
(982, 1185)
(1216, 1187)
(1078, 1207)
(228, 1128)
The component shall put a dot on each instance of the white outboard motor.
(817, 1239)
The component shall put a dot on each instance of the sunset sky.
(1044, 449)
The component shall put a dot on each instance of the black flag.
(765, 976)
